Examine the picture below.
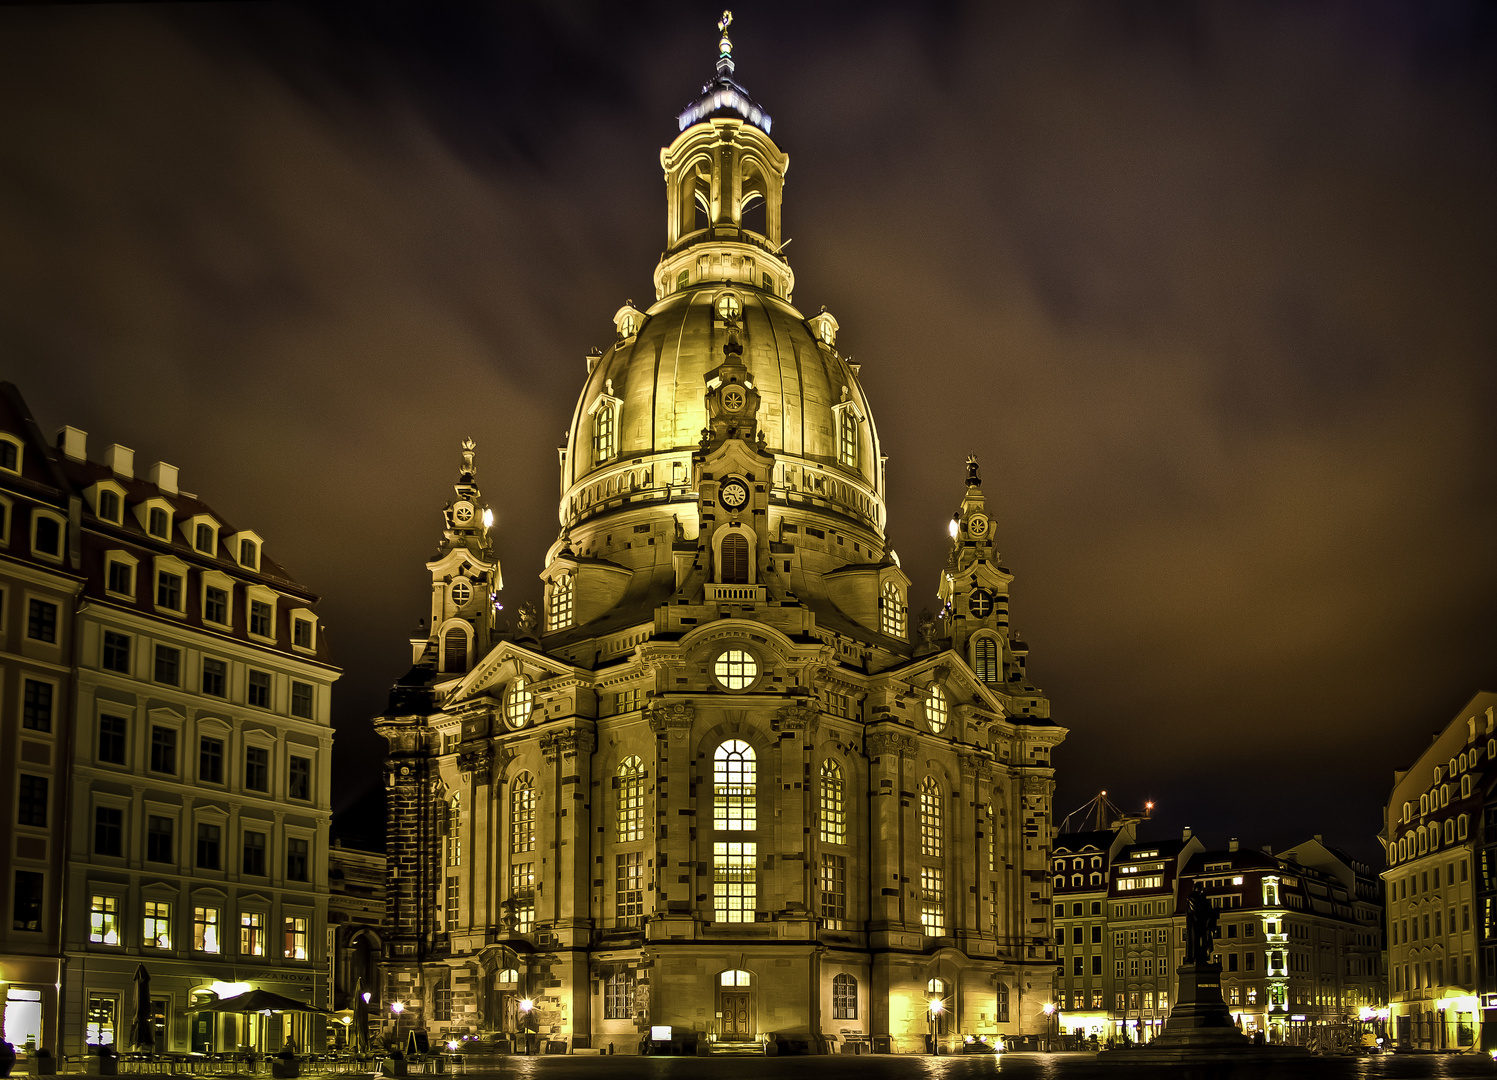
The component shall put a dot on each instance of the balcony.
(741, 594)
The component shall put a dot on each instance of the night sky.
(1209, 288)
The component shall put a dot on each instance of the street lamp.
(933, 1009)
(526, 1007)
(1049, 1010)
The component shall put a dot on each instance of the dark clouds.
(1208, 288)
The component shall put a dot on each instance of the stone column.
(672, 724)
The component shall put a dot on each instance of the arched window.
(844, 998)
(454, 651)
(847, 439)
(1449, 831)
(734, 562)
(559, 613)
(733, 779)
(518, 701)
(833, 814)
(936, 987)
(603, 418)
(930, 818)
(1466, 786)
(507, 977)
(1461, 827)
(985, 658)
(891, 611)
(935, 708)
(522, 815)
(735, 978)
(1077, 880)
(631, 784)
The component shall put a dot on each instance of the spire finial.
(973, 480)
(725, 46)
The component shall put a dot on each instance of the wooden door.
(736, 1021)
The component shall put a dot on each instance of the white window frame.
(169, 564)
(92, 493)
(189, 528)
(38, 512)
(265, 596)
(127, 559)
(236, 542)
(304, 615)
(20, 446)
(237, 779)
(616, 439)
(219, 580)
(143, 515)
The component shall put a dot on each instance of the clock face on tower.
(733, 399)
(980, 603)
(977, 525)
(462, 512)
(734, 494)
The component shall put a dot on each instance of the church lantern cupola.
(465, 579)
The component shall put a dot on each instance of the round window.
(935, 708)
(735, 669)
(728, 307)
(462, 592)
(518, 702)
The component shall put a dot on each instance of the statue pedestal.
(1200, 1029)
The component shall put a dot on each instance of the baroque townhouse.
(191, 714)
(1081, 864)
(721, 789)
(1147, 935)
(1436, 881)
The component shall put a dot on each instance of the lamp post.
(934, 1009)
(526, 1008)
(1050, 1020)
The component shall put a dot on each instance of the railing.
(748, 593)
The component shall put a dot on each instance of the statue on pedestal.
(1200, 927)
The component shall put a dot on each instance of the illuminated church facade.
(720, 783)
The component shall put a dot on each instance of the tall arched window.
(735, 559)
(985, 659)
(631, 816)
(891, 611)
(847, 439)
(603, 419)
(1002, 1003)
(733, 779)
(559, 614)
(522, 815)
(935, 708)
(833, 813)
(930, 818)
(844, 998)
(455, 651)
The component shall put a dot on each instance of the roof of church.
(723, 95)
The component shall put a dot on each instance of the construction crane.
(1106, 815)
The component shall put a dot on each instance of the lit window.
(728, 307)
(296, 938)
(104, 920)
(205, 929)
(932, 905)
(833, 891)
(735, 669)
(251, 934)
(522, 815)
(930, 818)
(891, 611)
(618, 996)
(734, 887)
(833, 821)
(935, 708)
(733, 779)
(559, 613)
(518, 702)
(603, 420)
(631, 805)
(157, 925)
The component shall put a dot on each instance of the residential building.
(1437, 874)
(722, 783)
(1081, 866)
(192, 747)
(1144, 894)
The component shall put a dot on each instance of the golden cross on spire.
(725, 47)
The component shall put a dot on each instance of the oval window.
(935, 708)
(518, 702)
(735, 669)
(728, 307)
(462, 592)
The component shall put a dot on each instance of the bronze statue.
(1200, 927)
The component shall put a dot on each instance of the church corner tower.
(719, 782)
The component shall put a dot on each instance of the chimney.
(1185, 833)
(121, 460)
(1318, 839)
(163, 476)
(1232, 844)
(1268, 849)
(73, 443)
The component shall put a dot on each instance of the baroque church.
(720, 783)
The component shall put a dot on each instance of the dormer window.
(10, 453)
(159, 523)
(249, 555)
(109, 506)
(847, 439)
(824, 327)
(46, 534)
(203, 539)
(605, 426)
(559, 613)
(303, 632)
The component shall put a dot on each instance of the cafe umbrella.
(142, 1032)
(262, 1003)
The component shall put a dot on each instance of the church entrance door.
(736, 1020)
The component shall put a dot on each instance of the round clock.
(977, 525)
(733, 399)
(980, 603)
(462, 512)
(734, 494)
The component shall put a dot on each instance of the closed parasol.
(142, 1032)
